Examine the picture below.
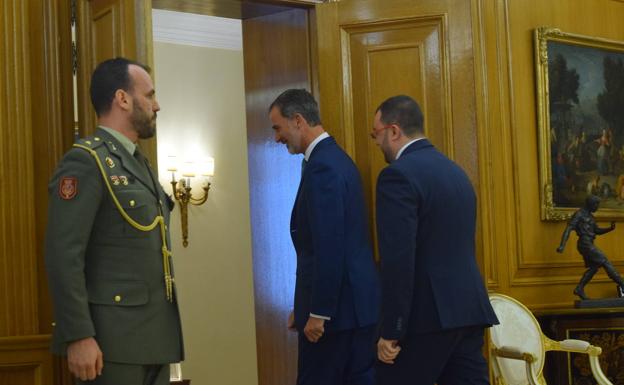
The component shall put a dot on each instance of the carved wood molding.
(26, 360)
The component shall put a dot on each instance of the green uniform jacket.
(107, 277)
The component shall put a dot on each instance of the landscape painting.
(581, 123)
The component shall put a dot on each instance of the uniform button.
(53, 324)
(166, 227)
(132, 203)
(117, 298)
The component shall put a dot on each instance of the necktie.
(303, 165)
(145, 168)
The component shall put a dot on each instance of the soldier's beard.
(143, 124)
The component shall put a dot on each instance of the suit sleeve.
(397, 226)
(325, 190)
(70, 221)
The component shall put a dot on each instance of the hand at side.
(387, 350)
(85, 359)
(314, 329)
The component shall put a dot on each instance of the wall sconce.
(182, 188)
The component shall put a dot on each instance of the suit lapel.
(293, 216)
(128, 161)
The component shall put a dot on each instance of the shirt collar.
(122, 139)
(316, 141)
(406, 146)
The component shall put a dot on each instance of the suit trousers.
(338, 358)
(447, 357)
(128, 374)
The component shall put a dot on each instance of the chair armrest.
(583, 347)
(515, 353)
(573, 346)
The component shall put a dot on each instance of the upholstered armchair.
(518, 346)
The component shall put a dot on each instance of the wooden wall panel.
(523, 260)
(18, 265)
(52, 119)
(276, 53)
(25, 361)
(34, 131)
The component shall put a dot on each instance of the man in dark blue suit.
(434, 304)
(336, 293)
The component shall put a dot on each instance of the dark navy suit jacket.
(336, 274)
(426, 214)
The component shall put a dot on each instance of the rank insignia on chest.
(109, 162)
(115, 180)
(123, 179)
(68, 187)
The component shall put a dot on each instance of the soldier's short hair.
(109, 76)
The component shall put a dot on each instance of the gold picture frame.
(580, 126)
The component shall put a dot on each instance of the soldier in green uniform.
(107, 245)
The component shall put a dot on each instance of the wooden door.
(107, 29)
(277, 57)
(370, 50)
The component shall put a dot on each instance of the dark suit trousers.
(338, 358)
(128, 374)
(449, 357)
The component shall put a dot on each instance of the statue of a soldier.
(584, 224)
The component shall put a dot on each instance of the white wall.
(201, 93)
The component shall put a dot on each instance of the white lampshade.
(188, 169)
(172, 163)
(208, 167)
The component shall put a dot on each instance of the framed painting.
(580, 106)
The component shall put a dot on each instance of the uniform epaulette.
(90, 141)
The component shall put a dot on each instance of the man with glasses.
(434, 304)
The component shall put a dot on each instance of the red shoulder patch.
(68, 187)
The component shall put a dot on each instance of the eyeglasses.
(376, 132)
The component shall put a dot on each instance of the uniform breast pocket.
(118, 293)
(140, 207)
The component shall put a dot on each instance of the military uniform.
(107, 255)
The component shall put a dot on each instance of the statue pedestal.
(599, 303)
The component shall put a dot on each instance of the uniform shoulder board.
(90, 141)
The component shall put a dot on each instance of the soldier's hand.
(85, 359)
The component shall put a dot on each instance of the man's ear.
(123, 100)
(299, 119)
(395, 132)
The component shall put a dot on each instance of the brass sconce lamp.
(182, 188)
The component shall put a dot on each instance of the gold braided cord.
(159, 220)
(123, 213)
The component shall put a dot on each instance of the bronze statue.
(584, 224)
